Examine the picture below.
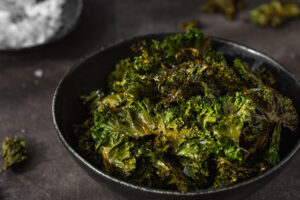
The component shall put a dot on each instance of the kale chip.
(179, 116)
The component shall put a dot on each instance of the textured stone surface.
(25, 99)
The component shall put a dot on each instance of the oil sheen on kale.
(178, 116)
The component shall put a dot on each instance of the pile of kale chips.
(179, 116)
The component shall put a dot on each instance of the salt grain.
(293, 55)
(38, 73)
(23, 130)
(23, 85)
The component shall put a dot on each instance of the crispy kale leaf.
(266, 76)
(237, 111)
(228, 7)
(187, 25)
(179, 116)
(274, 107)
(274, 13)
(13, 152)
(272, 156)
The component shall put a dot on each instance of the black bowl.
(92, 73)
(71, 14)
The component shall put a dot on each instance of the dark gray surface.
(25, 100)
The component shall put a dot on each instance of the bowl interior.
(92, 74)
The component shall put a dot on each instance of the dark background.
(25, 99)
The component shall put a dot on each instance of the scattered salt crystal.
(293, 55)
(186, 171)
(23, 130)
(23, 85)
(38, 73)
(36, 82)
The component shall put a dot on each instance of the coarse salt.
(38, 73)
(25, 23)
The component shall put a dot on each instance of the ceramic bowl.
(92, 72)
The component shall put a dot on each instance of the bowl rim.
(53, 39)
(160, 191)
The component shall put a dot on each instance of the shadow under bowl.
(91, 74)
(71, 14)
